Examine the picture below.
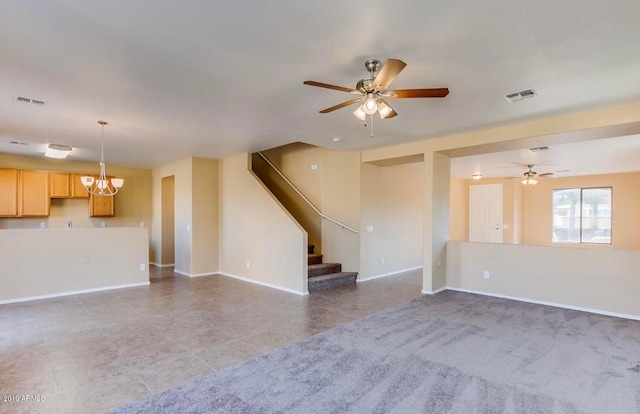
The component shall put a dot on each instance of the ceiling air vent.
(518, 96)
(538, 149)
(22, 99)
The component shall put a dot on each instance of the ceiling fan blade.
(342, 105)
(389, 71)
(418, 93)
(334, 87)
(549, 174)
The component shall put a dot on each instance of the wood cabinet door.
(102, 206)
(59, 185)
(77, 189)
(8, 192)
(34, 193)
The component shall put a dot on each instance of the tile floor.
(92, 352)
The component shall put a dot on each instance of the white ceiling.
(600, 156)
(213, 78)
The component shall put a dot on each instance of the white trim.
(204, 274)
(542, 302)
(161, 265)
(297, 292)
(195, 274)
(73, 292)
(389, 274)
(433, 292)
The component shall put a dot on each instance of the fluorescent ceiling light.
(57, 151)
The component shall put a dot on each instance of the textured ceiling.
(210, 79)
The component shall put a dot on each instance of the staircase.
(323, 276)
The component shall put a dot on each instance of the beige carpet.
(449, 353)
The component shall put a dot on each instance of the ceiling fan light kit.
(530, 176)
(375, 87)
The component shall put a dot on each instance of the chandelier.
(102, 186)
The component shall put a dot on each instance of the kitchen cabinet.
(59, 185)
(102, 206)
(33, 194)
(77, 189)
(8, 192)
(66, 185)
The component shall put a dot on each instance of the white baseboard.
(389, 274)
(74, 292)
(180, 272)
(244, 279)
(161, 265)
(433, 292)
(542, 302)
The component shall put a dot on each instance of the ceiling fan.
(530, 176)
(374, 88)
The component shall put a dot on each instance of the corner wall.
(392, 206)
(259, 240)
(195, 212)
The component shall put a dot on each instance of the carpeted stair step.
(331, 280)
(314, 259)
(316, 270)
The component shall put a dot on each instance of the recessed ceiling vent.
(538, 149)
(36, 102)
(518, 96)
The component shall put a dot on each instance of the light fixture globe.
(370, 106)
(360, 113)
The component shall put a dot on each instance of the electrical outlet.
(142, 224)
(248, 264)
(143, 267)
(103, 224)
(485, 274)
(382, 260)
(43, 225)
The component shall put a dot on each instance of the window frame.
(580, 209)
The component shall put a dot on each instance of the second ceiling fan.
(373, 89)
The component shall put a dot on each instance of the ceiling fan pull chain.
(371, 122)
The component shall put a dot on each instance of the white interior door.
(485, 213)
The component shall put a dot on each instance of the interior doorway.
(168, 221)
(485, 213)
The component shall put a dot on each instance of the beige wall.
(259, 240)
(392, 200)
(625, 221)
(133, 201)
(594, 124)
(295, 161)
(459, 210)
(341, 201)
(48, 262)
(182, 172)
(334, 188)
(196, 215)
(603, 280)
(437, 232)
(205, 228)
(168, 222)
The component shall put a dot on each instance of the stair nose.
(324, 269)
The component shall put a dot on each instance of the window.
(582, 215)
